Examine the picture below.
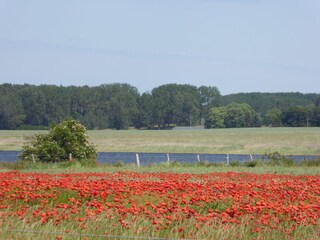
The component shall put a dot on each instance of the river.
(149, 158)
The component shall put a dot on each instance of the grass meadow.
(298, 141)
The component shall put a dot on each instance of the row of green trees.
(281, 109)
(117, 106)
(294, 116)
(263, 102)
(237, 115)
(120, 106)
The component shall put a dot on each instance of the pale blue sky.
(235, 45)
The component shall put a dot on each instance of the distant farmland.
(233, 141)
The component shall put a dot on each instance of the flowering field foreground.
(164, 205)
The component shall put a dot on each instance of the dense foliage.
(233, 115)
(121, 106)
(64, 139)
(263, 102)
(117, 106)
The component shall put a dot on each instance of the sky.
(234, 45)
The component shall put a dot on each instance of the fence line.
(141, 158)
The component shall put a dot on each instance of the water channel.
(150, 158)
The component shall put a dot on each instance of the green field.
(232, 141)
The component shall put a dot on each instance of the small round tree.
(68, 137)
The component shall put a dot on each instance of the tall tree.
(209, 97)
(176, 104)
(11, 108)
(233, 115)
(295, 116)
(34, 105)
(273, 118)
(241, 115)
(161, 98)
(122, 105)
(58, 100)
(315, 116)
(216, 117)
(144, 118)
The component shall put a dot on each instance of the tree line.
(121, 106)
(281, 109)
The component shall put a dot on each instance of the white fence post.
(33, 160)
(70, 157)
(168, 158)
(198, 158)
(138, 159)
(227, 159)
(251, 157)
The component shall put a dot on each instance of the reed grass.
(102, 228)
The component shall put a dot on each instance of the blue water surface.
(151, 158)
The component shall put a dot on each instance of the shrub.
(118, 163)
(252, 163)
(69, 137)
(175, 164)
(275, 158)
(204, 164)
(234, 163)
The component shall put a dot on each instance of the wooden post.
(70, 157)
(138, 159)
(227, 159)
(168, 158)
(198, 158)
(33, 160)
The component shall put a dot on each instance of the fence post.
(168, 158)
(70, 157)
(33, 160)
(227, 159)
(138, 159)
(251, 157)
(198, 158)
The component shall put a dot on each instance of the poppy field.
(224, 205)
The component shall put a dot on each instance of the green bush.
(234, 163)
(118, 163)
(204, 164)
(252, 163)
(68, 137)
(175, 164)
(277, 159)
